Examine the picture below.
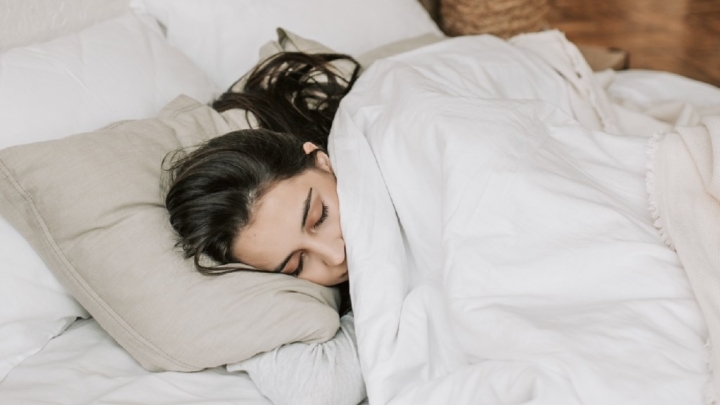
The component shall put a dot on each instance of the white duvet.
(500, 250)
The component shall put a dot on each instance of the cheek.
(324, 280)
(335, 203)
(335, 220)
(255, 248)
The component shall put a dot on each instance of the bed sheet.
(85, 365)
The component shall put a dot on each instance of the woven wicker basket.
(503, 18)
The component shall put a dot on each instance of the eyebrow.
(306, 210)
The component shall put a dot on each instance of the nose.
(331, 252)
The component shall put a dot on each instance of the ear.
(308, 147)
(322, 160)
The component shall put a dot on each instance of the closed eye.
(323, 217)
(299, 268)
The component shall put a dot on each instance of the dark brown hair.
(212, 190)
(295, 93)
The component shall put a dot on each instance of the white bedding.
(84, 365)
(500, 251)
(529, 318)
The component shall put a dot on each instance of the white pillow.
(119, 69)
(27, 22)
(224, 36)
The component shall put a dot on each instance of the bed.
(438, 333)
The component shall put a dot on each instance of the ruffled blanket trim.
(709, 395)
(658, 222)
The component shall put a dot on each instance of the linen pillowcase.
(28, 22)
(91, 206)
(290, 42)
(406, 45)
(118, 69)
(223, 36)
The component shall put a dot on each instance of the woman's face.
(295, 228)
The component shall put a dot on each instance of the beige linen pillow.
(91, 206)
(291, 42)
(394, 48)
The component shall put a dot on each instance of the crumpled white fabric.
(500, 251)
(310, 374)
(684, 186)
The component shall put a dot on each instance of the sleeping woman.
(265, 199)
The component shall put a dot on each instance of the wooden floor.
(680, 36)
